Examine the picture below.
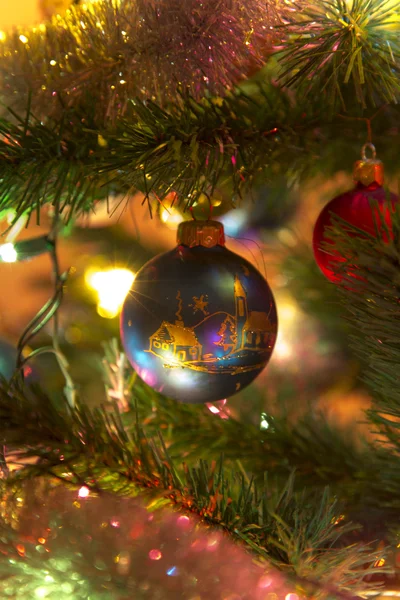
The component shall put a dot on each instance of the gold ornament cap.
(368, 170)
(201, 233)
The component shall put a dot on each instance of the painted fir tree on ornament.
(367, 207)
(200, 322)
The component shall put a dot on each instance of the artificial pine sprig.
(321, 453)
(371, 293)
(295, 532)
(189, 149)
(345, 49)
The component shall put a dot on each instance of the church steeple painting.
(244, 333)
(241, 310)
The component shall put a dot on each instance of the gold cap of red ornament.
(368, 170)
(201, 233)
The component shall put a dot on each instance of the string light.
(112, 287)
(8, 253)
(83, 492)
(283, 349)
(288, 317)
(172, 217)
(264, 423)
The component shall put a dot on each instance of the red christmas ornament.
(357, 208)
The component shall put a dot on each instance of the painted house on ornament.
(176, 342)
(248, 330)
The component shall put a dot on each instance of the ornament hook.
(210, 210)
(364, 149)
(368, 170)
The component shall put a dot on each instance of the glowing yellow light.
(41, 592)
(282, 348)
(288, 312)
(53, 63)
(172, 217)
(23, 39)
(338, 519)
(102, 141)
(380, 562)
(112, 287)
(2, 36)
(8, 253)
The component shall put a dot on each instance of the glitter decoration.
(116, 51)
(84, 556)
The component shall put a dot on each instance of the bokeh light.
(8, 253)
(83, 492)
(112, 287)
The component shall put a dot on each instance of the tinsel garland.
(136, 48)
(64, 544)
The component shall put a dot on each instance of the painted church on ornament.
(251, 329)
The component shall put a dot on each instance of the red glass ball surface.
(357, 208)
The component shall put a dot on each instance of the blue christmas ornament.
(199, 323)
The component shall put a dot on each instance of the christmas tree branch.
(188, 149)
(320, 453)
(371, 298)
(346, 50)
(370, 290)
(297, 533)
